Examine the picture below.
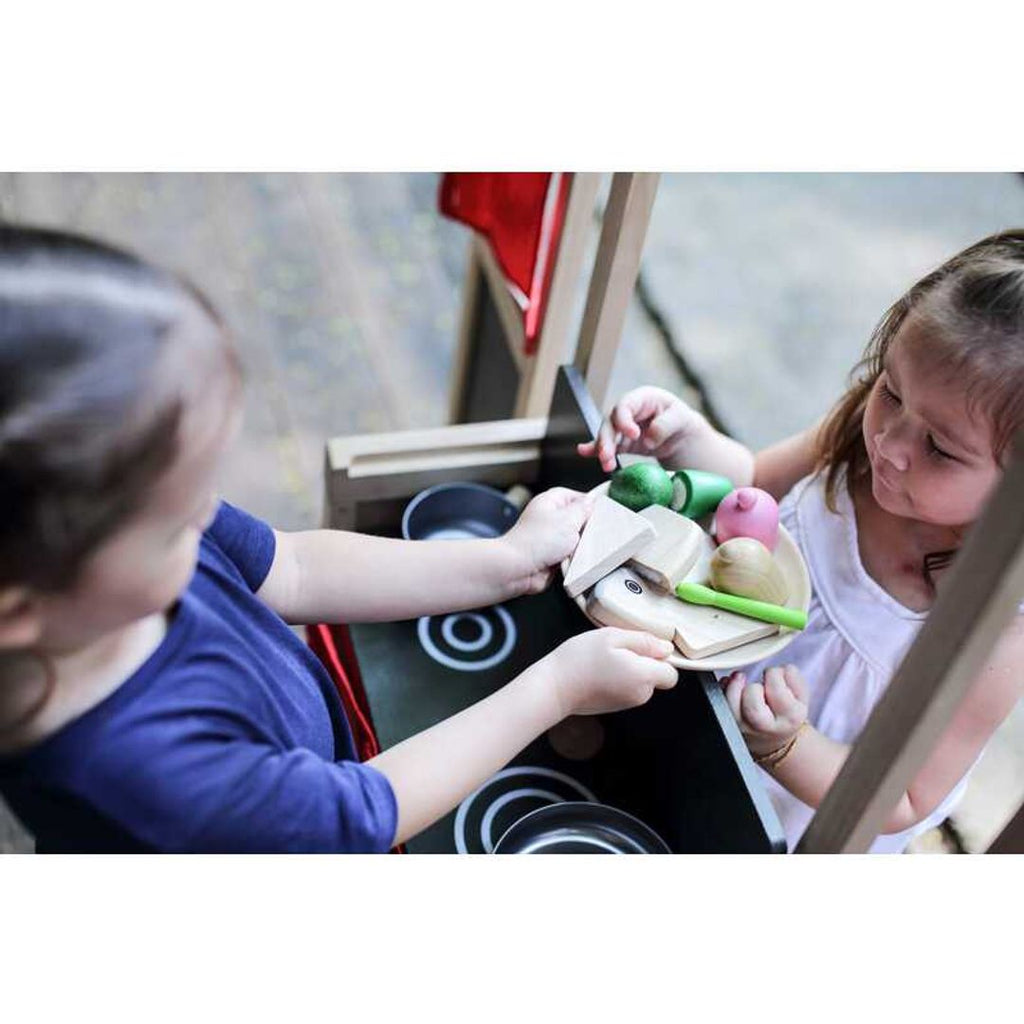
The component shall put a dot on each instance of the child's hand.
(609, 669)
(648, 420)
(547, 531)
(770, 712)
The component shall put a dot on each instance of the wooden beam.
(365, 469)
(553, 345)
(615, 271)
(974, 606)
(1011, 839)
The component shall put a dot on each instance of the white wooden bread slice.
(673, 552)
(612, 535)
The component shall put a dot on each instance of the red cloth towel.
(521, 216)
(333, 646)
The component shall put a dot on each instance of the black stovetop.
(678, 763)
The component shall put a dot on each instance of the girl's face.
(931, 460)
(145, 566)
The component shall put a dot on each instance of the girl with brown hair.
(878, 496)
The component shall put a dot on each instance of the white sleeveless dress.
(856, 637)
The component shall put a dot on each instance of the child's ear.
(20, 621)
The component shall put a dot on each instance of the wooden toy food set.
(657, 566)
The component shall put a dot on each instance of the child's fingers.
(666, 676)
(756, 712)
(668, 422)
(660, 673)
(733, 689)
(646, 644)
(586, 448)
(561, 496)
(777, 694)
(795, 681)
(574, 517)
(607, 443)
(623, 421)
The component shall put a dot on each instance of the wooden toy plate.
(794, 571)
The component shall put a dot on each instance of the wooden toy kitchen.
(523, 397)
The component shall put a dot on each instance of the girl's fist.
(770, 712)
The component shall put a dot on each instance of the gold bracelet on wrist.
(775, 757)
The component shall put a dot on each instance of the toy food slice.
(626, 599)
(669, 557)
(612, 535)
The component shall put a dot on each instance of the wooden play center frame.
(367, 476)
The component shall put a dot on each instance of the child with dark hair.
(152, 696)
(878, 496)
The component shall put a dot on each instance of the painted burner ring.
(527, 786)
(441, 642)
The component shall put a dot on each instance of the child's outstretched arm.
(598, 671)
(338, 576)
(772, 715)
(653, 421)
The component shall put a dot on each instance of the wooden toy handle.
(695, 593)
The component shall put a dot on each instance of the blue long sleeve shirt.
(229, 738)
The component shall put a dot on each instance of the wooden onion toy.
(745, 567)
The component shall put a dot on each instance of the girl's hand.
(547, 531)
(609, 669)
(648, 420)
(770, 712)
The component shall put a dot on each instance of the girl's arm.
(770, 713)
(598, 671)
(338, 576)
(778, 467)
(653, 421)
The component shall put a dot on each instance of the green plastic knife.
(695, 593)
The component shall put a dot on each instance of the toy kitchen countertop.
(678, 763)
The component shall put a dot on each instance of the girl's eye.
(936, 452)
(888, 395)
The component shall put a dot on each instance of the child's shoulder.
(247, 542)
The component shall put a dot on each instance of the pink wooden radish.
(748, 512)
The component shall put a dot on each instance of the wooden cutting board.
(625, 598)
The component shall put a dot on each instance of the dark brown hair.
(973, 307)
(86, 428)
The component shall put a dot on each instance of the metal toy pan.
(583, 827)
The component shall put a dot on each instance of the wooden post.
(1011, 839)
(538, 381)
(974, 606)
(615, 270)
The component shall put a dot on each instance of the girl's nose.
(889, 447)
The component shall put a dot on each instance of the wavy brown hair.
(973, 307)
